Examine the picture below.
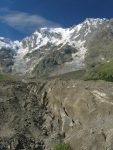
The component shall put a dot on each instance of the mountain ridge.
(70, 44)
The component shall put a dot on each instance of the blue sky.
(19, 18)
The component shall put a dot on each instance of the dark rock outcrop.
(35, 116)
(26, 122)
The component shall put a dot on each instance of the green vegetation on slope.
(77, 75)
(62, 146)
(101, 72)
(7, 78)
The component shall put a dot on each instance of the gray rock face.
(86, 112)
(26, 122)
(53, 62)
(7, 53)
(35, 116)
(6, 60)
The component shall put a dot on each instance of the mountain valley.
(56, 87)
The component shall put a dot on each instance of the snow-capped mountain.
(55, 50)
(57, 36)
(8, 44)
(8, 49)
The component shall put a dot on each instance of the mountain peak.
(97, 20)
(44, 42)
(94, 21)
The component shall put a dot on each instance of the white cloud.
(25, 22)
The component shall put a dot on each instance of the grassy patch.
(7, 78)
(62, 146)
(77, 75)
(101, 72)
